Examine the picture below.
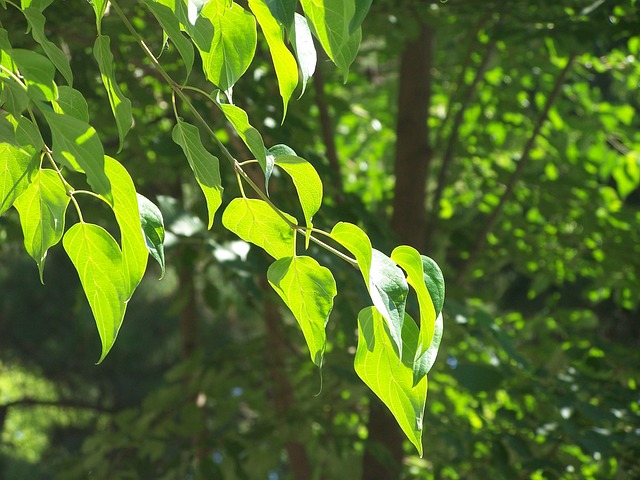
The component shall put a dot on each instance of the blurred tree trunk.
(384, 452)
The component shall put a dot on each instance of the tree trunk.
(384, 453)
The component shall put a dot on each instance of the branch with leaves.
(394, 353)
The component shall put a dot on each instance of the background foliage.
(531, 208)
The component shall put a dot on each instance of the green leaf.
(153, 229)
(254, 221)
(434, 280)
(28, 136)
(76, 145)
(120, 105)
(424, 363)
(99, 7)
(362, 8)
(409, 259)
(331, 20)
(16, 167)
(307, 182)
(282, 10)
(385, 282)
(13, 96)
(38, 73)
(204, 165)
(39, 5)
(308, 290)
(165, 13)
(390, 376)
(58, 58)
(226, 38)
(125, 208)
(71, 102)
(42, 209)
(98, 260)
(283, 61)
(304, 48)
(251, 137)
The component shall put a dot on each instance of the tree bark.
(384, 453)
(283, 398)
(413, 152)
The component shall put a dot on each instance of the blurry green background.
(537, 375)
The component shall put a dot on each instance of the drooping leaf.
(304, 48)
(16, 167)
(205, 166)
(99, 7)
(38, 73)
(362, 8)
(226, 38)
(28, 136)
(165, 13)
(254, 221)
(120, 105)
(71, 102)
(76, 145)
(331, 20)
(308, 290)
(385, 282)
(283, 61)
(153, 229)
(409, 259)
(251, 137)
(307, 182)
(42, 209)
(56, 55)
(13, 96)
(424, 363)
(390, 376)
(98, 260)
(282, 10)
(125, 208)
(434, 280)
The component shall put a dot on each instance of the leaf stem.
(67, 186)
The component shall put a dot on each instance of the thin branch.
(328, 133)
(62, 403)
(447, 158)
(515, 176)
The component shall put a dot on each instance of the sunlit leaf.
(251, 137)
(125, 208)
(165, 13)
(283, 61)
(42, 209)
(331, 20)
(386, 283)
(226, 38)
(308, 290)
(56, 55)
(256, 222)
(204, 165)
(98, 260)
(434, 280)
(99, 7)
(305, 49)
(409, 259)
(76, 145)
(16, 166)
(38, 73)
(153, 230)
(71, 102)
(390, 376)
(120, 105)
(307, 182)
